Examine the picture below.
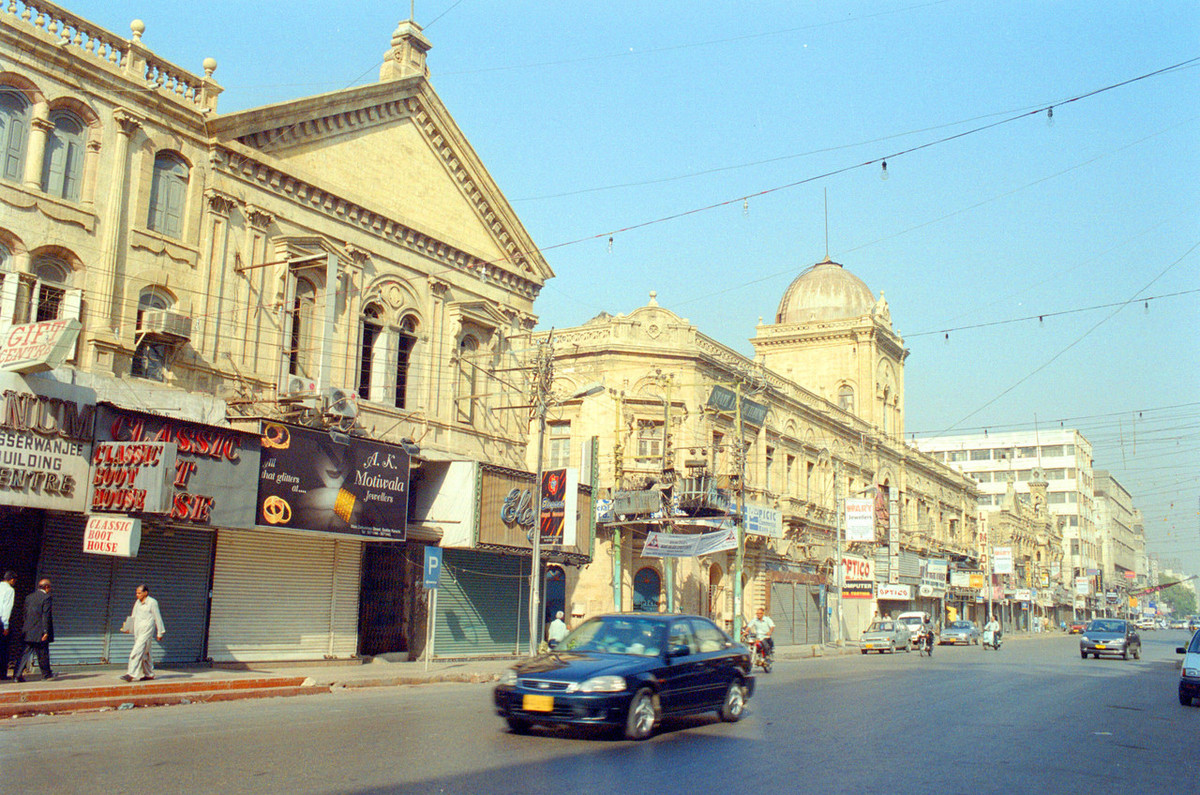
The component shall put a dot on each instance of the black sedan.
(628, 670)
(1113, 636)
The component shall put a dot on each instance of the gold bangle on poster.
(276, 510)
(343, 506)
(276, 436)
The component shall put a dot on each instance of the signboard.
(688, 545)
(725, 400)
(894, 591)
(858, 590)
(1129, 575)
(312, 479)
(119, 536)
(213, 479)
(1002, 560)
(37, 347)
(893, 541)
(937, 569)
(1112, 597)
(764, 521)
(1055, 569)
(1023, 595)
(646, 501)
(46, 431)
(976, 579)
(855, 568)
(960, 578)
(559, 490)
(133, 477)
(433, 567)
(860, 520)
(1083, 585)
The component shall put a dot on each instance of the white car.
(914, 620)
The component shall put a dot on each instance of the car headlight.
(1084, 639)
(600, 684)
(509, 677)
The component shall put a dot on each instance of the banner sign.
(312, 479)
(1083, 585)
(857, 569)
(559, 490)
(133, 477)
(763, 521)
(46, 431)
(1002, 560)
(858, 590)
(688, 545)
(119, 536)
(860, 520)
(725, 400)
(976, 579)
(37, 347)
(213, 476)
(1129, 575)
(894, 591)
(1023, 594)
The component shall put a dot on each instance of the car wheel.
(1083, 655)
(1184, 698)
(864, 651)
(891, 647)
(518, 725)
(908, 647)
(735, 702)
(643, 714)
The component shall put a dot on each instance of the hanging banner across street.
(688, 545)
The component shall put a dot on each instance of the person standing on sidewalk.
(8, 597)
(38, 631)
(147, 624)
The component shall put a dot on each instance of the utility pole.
(739, 561)
(668, 472)
(840, 505)
(618, 473)
(543, 377)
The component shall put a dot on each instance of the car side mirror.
(1180, 650)
(678, 650)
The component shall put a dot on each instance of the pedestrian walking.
(557, 630)
(8, 597)
(145, 623)
(37, 631)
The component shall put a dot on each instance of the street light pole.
(543, 375)
(840, 506)
(739, 560)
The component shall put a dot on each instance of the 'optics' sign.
(37, 347)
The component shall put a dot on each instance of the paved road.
(1032, 718)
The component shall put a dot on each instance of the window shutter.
(173, 205)
(72, 309)
(54, 170)
(13, 161)
(8, 297)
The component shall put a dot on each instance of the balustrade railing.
(129, 55)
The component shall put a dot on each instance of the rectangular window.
(958, 455)
(1057, 498)
(718, 452)
(1004, 477)
(1052, 450)
(1026, 452)
(981, 455)
(649, 439)
(982, 477)
(808, 478)
(1024, 475)
(985, 499)
(558, 445)
(1002, 454)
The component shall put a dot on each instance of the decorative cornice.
(286, 135)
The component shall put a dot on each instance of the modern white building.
(1119, 529)
(1061, 457)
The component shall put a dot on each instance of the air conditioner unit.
(297, 389)
(167, 325)
(341, 403)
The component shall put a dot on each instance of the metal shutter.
(80, 584)
(482, 605)
(783, 612)
(284, 597)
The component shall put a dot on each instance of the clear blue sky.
(597, 117)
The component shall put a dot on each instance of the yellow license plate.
(868, 646)
(1101, 646)
(533, 703)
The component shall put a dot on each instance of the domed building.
(832, 336)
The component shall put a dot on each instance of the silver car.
(886, 635)
(1110, 636)
(960, 632)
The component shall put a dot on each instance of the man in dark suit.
(38, 631)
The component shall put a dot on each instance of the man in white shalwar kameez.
(147, 625)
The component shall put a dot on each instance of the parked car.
(1189, 671)
(1075, 627)
(1178, 623)
(1145, 623)
(964, 632)
(628, 670)
(886, 634)
(1112, 636)
(914, 621)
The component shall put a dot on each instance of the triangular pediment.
(393, 146)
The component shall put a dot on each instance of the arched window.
(300, 346)
(63, 165)
(465, 399)
(646, 590)
(14, 132)
(44, 297)
(150, 357)
(168, 189)
(404, 346)
(887, 394)
(372, 328)
(845, 398)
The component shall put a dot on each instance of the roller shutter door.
(796, 611)
(94, 593)
(482, 605)
(284, 597)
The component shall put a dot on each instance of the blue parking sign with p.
(433, 566)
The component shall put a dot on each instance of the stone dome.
(826, 291)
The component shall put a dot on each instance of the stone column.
(127, 125)
(39, 132)
(91, 162)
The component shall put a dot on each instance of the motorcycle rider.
(927, 635)
(991, 632)
(761, 628)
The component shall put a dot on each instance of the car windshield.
(1106, 626)
(961, 625)
(910, 620)
(617, 635)
(882, 626)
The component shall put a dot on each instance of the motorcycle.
(925, 643)
(761, 655)
(992, 640)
